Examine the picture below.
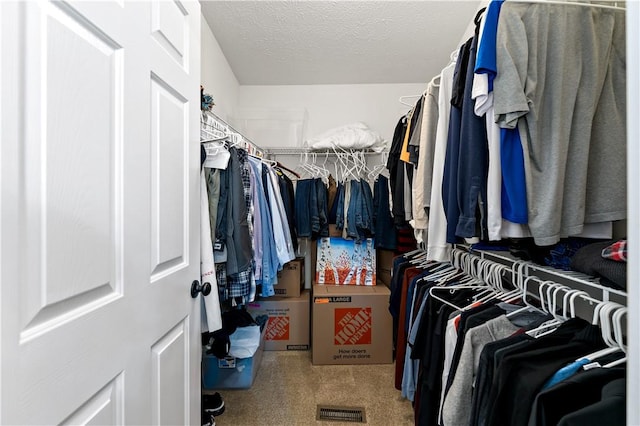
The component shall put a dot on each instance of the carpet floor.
(288, 388)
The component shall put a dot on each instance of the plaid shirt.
(246, 186)
(616, 251)
(239, 285)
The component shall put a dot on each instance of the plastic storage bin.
(230, 372)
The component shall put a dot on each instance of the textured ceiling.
(337, 42)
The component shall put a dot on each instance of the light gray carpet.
(288, 388)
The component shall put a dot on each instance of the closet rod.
(575, 3)
(567, 276)
(297, 151)
(260, 151)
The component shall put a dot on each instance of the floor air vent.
(340, 414)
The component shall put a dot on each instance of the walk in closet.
(302, 213)
(483, 230)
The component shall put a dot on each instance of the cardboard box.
(334, 231)
(346, 262)
(230, 372)
(351, 325)
(290, 279)
(288, 325)
(384, 265)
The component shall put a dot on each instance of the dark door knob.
(197, 288)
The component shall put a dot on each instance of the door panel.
(170, 28)
(171, 366)
(99, 167)
(169, 153)
(70, 187)
(106, 407)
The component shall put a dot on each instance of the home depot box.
(288, 324)
(351, 325)
(231, 372)
(290, 279)
(384, 265)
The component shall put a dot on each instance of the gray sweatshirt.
(458, 401)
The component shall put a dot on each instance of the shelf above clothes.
(300, 150)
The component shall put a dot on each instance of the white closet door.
(99, 166)
(633, 217)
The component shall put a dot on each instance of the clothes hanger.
(378, 168)
(485, 275)
(324, 170)
(527, 306)
(402, 99)
(451, 289)
(440, 274)
(553, 300)
(606, 351)
(281, 166)
(606, 314)
(604, 309)
(492, 275)
(508, 295)
(306, 169)
(418, 258)
(211, 148)
(549, 326)
(212, 135)
(235, 139)
(552, 291)
(619, 337)
(210, 121)
(473, 267)
(361, 164)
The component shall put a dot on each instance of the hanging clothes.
(421, 190)
(396, 172)
(207, 267)
(437, 247)
(288, 200)
(384, 229)
(569, 141)
(452, 157)
(481, 389)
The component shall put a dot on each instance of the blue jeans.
(323, 213)
(367, 205)
(383, 225)
(307, 218)
(354, 215)
(339, 207)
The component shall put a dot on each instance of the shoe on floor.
(213, 404)
(208, 419)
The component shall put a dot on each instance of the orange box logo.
(277, 328)
(352, 326)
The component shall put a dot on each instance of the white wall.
(329, 106)
(216, 75)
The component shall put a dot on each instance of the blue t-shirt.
(486, 57)
(514, 186)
